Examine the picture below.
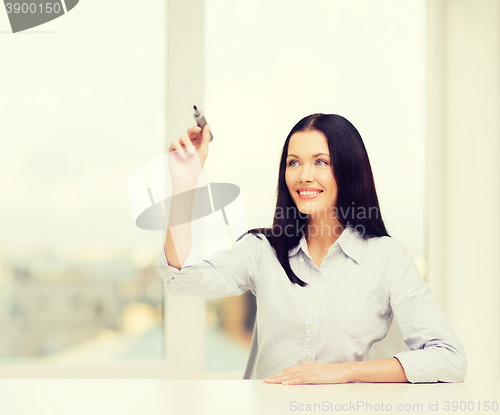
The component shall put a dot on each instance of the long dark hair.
(357, 202)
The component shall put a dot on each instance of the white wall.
(464, 174)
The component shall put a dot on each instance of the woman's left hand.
(312, 373)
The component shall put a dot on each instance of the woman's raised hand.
(188, 154)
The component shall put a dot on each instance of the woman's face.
(308, 174)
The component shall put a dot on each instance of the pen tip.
(194, 106)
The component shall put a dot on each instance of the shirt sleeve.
(225, 274)
(436, 355)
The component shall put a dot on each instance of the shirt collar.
(301, 245)
(349, 241)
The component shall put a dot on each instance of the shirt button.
(308, 359)
(301, 260)
(316, 299)
(324, 276)
(311, 329)
(334, 249)
(343, 259)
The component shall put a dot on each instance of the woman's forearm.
(178, 239)
(380, 370)
(186, 159)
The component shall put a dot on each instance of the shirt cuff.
(168, 272)
(417, 366)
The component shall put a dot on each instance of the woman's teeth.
(309, 193)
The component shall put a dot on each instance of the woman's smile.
(306, 193)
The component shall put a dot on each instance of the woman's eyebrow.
(314, 155)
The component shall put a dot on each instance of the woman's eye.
(292, 163)
(324, 162)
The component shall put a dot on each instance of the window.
(83, 105)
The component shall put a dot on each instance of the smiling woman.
(328, 283)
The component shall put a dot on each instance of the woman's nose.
(305, 175)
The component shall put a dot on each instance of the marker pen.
(199, 117)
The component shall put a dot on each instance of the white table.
(239, 397)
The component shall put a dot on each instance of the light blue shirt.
(348, 304)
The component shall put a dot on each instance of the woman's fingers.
(175, 146)
(317, 373)
(195, 140)
(193, 131)
(186, 141)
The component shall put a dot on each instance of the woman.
(327, 277)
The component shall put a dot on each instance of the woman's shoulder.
(257, 234)
(386, 241)
(252, 245)
(255, 238)
(384, 246)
